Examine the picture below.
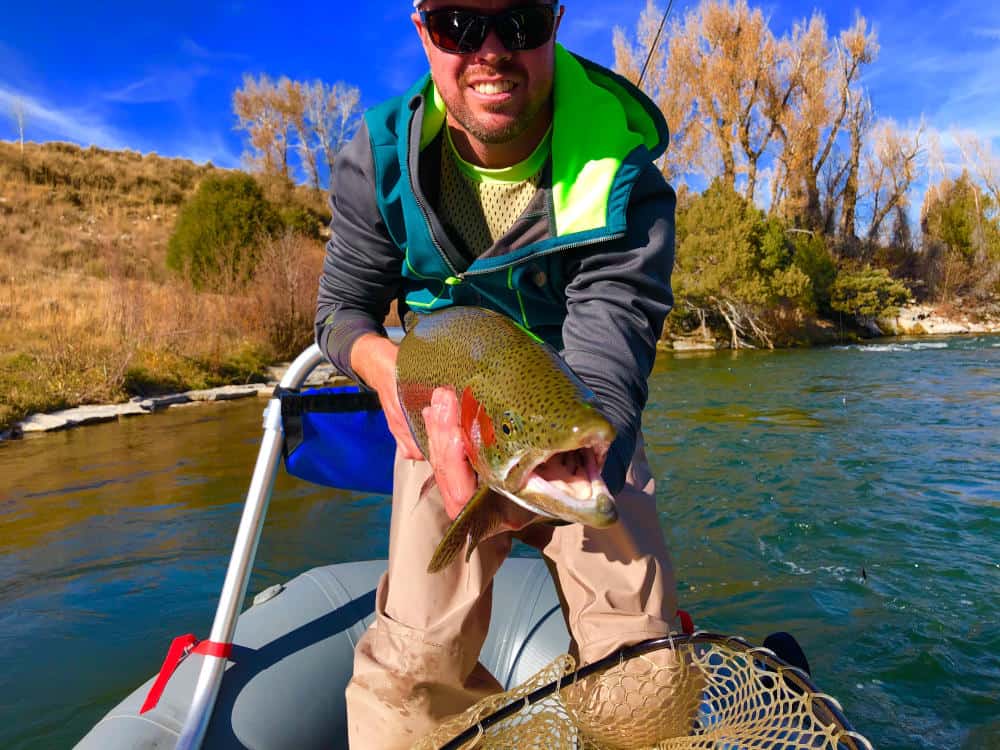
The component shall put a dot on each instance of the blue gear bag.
(338, 437)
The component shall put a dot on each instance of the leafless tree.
(891, 166)
(263, 111)
(17, 110)
(331, 113)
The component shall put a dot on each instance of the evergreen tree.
(219, 231)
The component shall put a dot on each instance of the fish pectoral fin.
(429, 484)
(477, 520)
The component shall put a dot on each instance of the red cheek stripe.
(476, 423)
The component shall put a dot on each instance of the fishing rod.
(656, 41)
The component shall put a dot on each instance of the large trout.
(531, 428)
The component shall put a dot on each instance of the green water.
(782, 475)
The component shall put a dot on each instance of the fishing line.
(656, 40)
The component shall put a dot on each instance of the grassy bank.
(88, 311)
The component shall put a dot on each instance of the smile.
(492, 88)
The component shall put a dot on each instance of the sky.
(160, 77)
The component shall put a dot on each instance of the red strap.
(181, 646)
(687, 624)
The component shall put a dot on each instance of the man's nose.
(493, 49)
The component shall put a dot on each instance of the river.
(850, 495)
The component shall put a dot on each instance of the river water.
(849, 495)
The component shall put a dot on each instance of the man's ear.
(421, 32)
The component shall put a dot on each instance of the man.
(516, 177)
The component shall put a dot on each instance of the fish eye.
(510, 423)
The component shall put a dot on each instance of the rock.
(43, 423)
(155, 403)
(226, 392)
(323, 374)
(693, 344)
(921, 320)
(80, 415)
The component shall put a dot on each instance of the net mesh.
(697, 692)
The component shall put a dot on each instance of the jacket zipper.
(420, 203)
(543, 253)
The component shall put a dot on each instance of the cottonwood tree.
(332, 114)
(979, 159)
(720, 84)
(674, 97)
(312, 120)
(858, 125)
(263, 111)
(891, 165)
(819, 109)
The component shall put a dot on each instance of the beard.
(496, 133)
(493, 132)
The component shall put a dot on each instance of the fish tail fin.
(476, 520)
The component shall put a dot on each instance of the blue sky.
(159, 77)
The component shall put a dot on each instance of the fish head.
(546, 455)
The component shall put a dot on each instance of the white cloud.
(165, 85)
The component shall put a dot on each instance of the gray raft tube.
(283, 685)
(293, 655)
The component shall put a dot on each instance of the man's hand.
(373, 358)
(455, 478)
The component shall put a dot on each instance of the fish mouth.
(567, 485)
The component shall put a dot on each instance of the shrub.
(867, 294)
(218, 231)
(284, 292)
(302, 221)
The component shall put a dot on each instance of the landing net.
(690, 692)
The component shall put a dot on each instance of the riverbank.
(914, 320)
(64, 419)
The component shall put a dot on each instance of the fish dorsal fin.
(477, 519)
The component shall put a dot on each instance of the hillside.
(89, 312)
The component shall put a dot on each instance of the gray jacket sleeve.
(363, 267)
(618, 297)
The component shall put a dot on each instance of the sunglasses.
(461, 31)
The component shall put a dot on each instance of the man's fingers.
(455, 477)
(400, 430)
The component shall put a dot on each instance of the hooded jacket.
(586, 267)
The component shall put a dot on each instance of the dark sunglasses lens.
(526, 28)
(456, 30)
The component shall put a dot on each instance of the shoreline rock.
(78, 416)
(927, 320)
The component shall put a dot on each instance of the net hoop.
(825, 708)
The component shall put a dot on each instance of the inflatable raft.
(292, 657)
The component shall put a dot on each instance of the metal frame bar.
(234, 588)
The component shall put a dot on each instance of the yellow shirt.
(480, 205)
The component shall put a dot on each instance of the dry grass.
(88, 311)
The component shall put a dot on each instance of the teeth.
(498, 87)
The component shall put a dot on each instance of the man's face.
(492, 94)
